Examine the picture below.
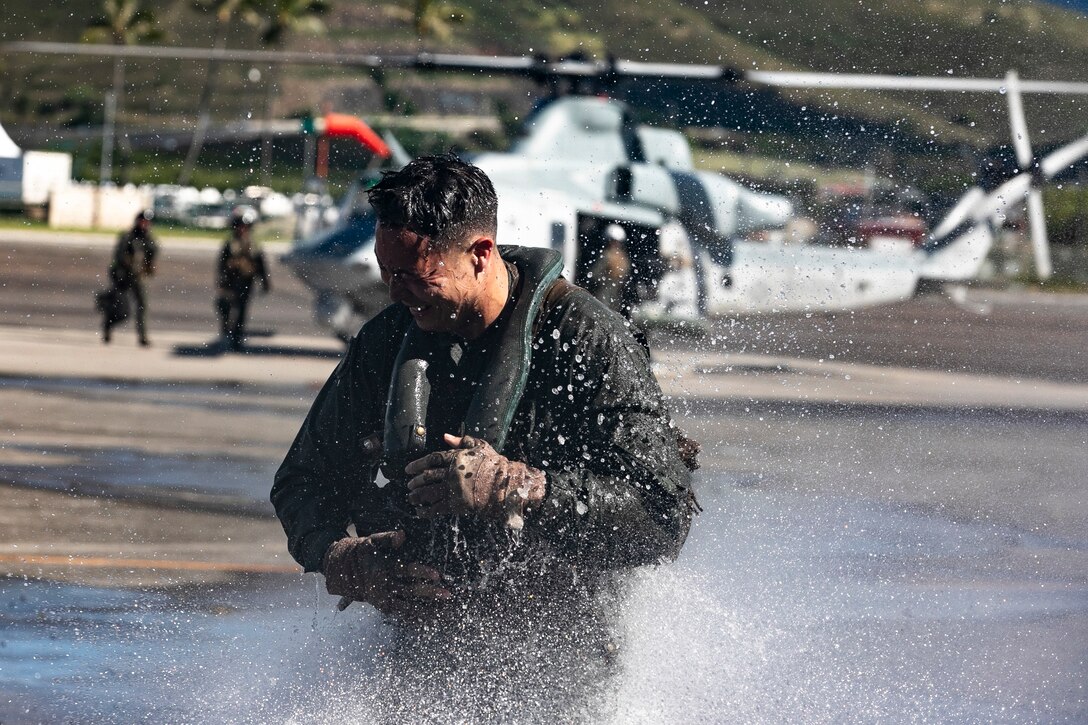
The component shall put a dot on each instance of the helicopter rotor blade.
(1025, 160)
(978, 205)
(995, 205)
(563, 67)
(400, 157)
(873, 82)
(1017, 122)
(1061, 159)
(1039, 243)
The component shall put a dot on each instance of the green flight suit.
(133, 260)
(591, 416)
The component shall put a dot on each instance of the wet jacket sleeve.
(319, 479)
(618, 494)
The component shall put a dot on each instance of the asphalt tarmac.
(1012, 334)
(897, 533)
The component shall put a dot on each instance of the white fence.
(87, 206)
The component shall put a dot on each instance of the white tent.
(8, 149)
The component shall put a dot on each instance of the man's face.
(441, 289)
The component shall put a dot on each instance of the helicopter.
(567, 185)
(585, 178)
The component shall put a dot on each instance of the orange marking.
(105, 562)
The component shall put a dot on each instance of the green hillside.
(933, 37)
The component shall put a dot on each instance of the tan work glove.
(473, 478)
(366, 569)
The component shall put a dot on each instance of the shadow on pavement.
(217, 347)
(290, 351)
(212, 348)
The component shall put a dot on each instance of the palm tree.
(556, 28)
(436, 18)
(123, 22)
(226, 11)
(430, 19)
(280, 17)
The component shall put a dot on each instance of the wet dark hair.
(439, 197)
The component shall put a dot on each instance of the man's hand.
(473, 478)
(366, 569)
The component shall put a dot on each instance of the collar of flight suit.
(502, 384)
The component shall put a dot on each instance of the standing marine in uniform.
(133, 261)
(527, 447)
(241, 263)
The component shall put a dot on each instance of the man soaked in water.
(528, 453)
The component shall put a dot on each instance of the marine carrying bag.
(113, 304)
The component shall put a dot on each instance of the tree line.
(129, 22)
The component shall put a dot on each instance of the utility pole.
(109, 123)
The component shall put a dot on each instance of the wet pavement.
(782, 608)
(214, 483)
(208, 445)
(852, 564)
(898, 533)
